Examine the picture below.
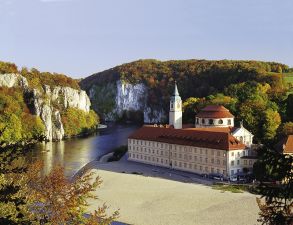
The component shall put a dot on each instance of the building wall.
(234, 160)
(214, 122)
(244, 136)
(186, 158)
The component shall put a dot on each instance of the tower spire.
(176, 93)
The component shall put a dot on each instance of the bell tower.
(175, 113)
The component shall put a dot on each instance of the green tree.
(274, 171)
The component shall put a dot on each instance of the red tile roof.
(197, 138)
(214, 111)
(286, 145)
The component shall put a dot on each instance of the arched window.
(211, 121)
(197, 121)
(203, 121)
(220, 121)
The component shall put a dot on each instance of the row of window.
(212, 121)
(177, 164)
(238, 154)
(201, 151)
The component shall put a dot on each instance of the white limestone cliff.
(42, 102)
(128, 97)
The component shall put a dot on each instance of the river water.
(73, 154)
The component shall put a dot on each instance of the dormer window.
(220, 121)
(203, 121)
(229, 122)
(211, 121)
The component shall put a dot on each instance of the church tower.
(175, 114)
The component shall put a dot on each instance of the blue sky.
(81, 37)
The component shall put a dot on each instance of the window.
(170, 153)
(197, 121)
(175, 163)
(129, 155)
(206, 169)
(243, 153)
(218, 153)
(232, 153)
(195, 150)
(245, 162)
(211, 121)
(212, 170)
(229, 122)
(180, 164)
(195, 167)
(206, 160)
(195, 158)
(200, 168)
(206, 151)
(162, 161)
(180, 156)
(250, 162)
(200, 151)
(232, 163)
(238, 154)
(203, 121)
(161, 152)
(224, 162)
(232, 172)
(190, 157)
(140, 156)
(238, 162)
(220, 121)
(212, 160)
(218, 161)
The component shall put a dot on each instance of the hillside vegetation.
(37, 79)
(17, 120)
(254, 91)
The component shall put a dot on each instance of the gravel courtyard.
(159, 201)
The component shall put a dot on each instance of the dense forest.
(17, 120)
(254, 91)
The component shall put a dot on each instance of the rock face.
(13, 80)
(48, 102)
(115, 99)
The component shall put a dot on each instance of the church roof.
(214, 111)
(198, 138)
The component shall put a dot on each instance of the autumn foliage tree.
(27, 197)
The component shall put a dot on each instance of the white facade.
(187, 158)
(243, 135)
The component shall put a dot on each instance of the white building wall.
(186, 158)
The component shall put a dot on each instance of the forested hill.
(254, 91)
(198, 77)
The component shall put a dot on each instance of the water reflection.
(75, 153)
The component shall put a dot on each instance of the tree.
(62, 201)
(27, 197)
(287, 128)
(274, 171)
(272, 120)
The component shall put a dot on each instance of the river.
(73, 154)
